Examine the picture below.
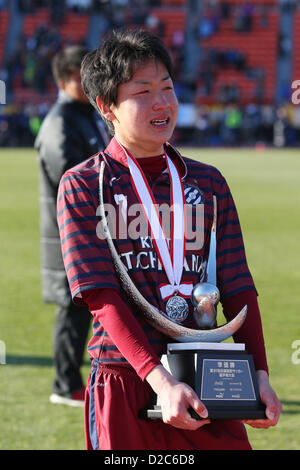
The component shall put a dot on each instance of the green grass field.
(266, 189)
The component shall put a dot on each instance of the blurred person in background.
(71, 132)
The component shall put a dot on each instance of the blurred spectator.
(177, 49)
(244, 17)
(288, 5)
(117, 16)
(225, 10)
(285, 45)
(264, 16)
(79, 5)
(25, 6)
(4, 132)
(208, 24)
(207, 72)
(283, 132)
(232, 125)
(229, 93)
(139, 12)
(58, 10)
(251, 124)
(155, 25)
(29, 66)
(71, 132)
(202, 127)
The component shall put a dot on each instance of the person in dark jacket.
(71, 132)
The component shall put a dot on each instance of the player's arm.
(175, 397)
(108, 308)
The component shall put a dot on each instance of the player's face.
(73, 87)
(146, 112)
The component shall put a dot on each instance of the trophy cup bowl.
(205, 298)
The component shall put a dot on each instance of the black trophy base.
(224, 380)
(242, 414)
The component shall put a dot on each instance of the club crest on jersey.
(193, 195)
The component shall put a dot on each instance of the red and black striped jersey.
(86, 255)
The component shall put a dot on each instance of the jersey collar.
(115, 151)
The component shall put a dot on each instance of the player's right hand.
(175, 399)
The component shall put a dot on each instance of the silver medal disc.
(177, 308)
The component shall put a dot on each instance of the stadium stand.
(259, 48)
(254, 2)
(169, 3)
(296, 42)
(33, 20)
(236, 45)
(39, 29)
(172, 21)
(4, 22)
(74, 28)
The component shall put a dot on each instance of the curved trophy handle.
(155, 317)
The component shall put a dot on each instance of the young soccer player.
(129, 79)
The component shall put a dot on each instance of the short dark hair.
(115, 61)
(66, 61)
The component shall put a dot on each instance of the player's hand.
(270, 399)
(175, 399)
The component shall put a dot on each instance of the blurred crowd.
(211, 126)
(29, 68)
(29, 65)
(251, 125)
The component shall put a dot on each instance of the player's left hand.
(270, 399)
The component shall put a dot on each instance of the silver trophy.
(157, 318)
(197, 357)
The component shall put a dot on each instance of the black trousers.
(69, 340)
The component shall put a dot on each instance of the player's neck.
(153, 166)
(140, 150)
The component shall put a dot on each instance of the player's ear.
(104, 109)
(61, 84)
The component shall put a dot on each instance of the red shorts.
(114, 396)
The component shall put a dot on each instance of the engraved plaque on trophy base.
(223, 376)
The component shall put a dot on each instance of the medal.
(177, 308)
(172, 258)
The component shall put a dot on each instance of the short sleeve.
(86, 255)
